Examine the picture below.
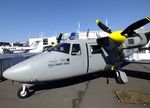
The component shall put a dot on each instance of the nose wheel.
(23, 92)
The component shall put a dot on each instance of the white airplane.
(18, 49)
(80, 57)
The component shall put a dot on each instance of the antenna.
(106, 22)
(87, 34)
(55, 32)
(29, 35)
(78, 29)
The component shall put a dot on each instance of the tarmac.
(80, 92)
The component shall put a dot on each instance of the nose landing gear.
(23, 92)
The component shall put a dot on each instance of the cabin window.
(76, 50)
(62, 47)
(96, 49)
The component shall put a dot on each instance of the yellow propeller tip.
(148, 18)
(97, 21)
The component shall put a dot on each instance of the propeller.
(59, 37)
(103, 27)
(116, 38)
(120, 36)
(136, 25)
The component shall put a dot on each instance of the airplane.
(14, 49)
(80, 57)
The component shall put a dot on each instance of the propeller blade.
(103, 41)
(136, 25)
(59, 37)
(103, 27)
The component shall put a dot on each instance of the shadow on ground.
(84, 78)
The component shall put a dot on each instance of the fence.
(8, 60)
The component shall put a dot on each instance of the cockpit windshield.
(62, 47)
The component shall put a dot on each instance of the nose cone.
(20, 72)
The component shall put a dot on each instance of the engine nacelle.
(137, 40)
(135, 43)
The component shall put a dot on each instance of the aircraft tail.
(36, 47)
(35, 44)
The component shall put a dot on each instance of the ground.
(84, 92)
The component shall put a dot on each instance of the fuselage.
(67, 59)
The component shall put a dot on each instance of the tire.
(22, 95)
(118, 79)
(2, 79)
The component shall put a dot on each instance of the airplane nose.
(20, 72)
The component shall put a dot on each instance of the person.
(54, 44)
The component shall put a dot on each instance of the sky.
(21, 19)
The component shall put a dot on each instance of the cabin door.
(96, 58)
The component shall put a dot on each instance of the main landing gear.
(121, 77)
(23, 92)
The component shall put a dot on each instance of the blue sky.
(18, 18)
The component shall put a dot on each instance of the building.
(142, 55)
(43, 42)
